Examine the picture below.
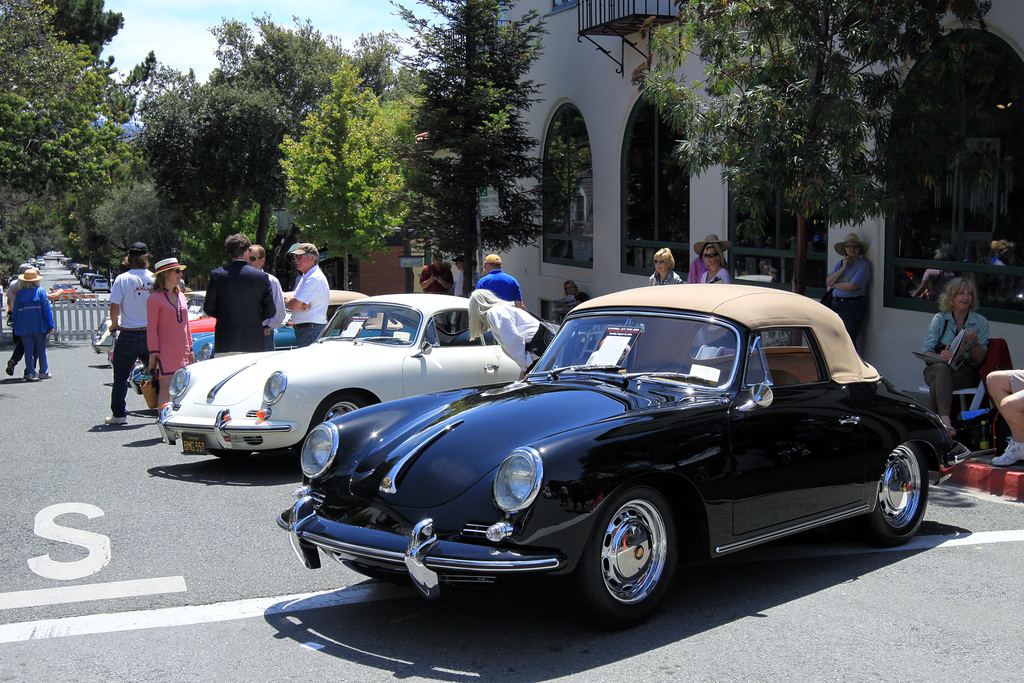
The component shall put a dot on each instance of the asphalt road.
(124, 560)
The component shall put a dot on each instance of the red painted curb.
(999, 481)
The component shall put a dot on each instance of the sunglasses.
(710, 255)
(659, 261)
(254, 258)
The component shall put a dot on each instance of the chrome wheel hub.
(633, 551)
(899, 489)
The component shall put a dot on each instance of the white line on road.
(199, 614)
(94, 591)
(368, 592)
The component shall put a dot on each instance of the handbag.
(150, 389)
(826, 299)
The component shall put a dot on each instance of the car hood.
(434, 448)
(239, 378)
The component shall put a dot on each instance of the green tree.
(215, 147)
(344, 177)
(379, 60)
(794, 96)
(471, 63)
(84, 22)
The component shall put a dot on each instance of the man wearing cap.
(240, 298)
(308, 303)
(128, 296)
(257, 257)
(500, 282)
(19, 348)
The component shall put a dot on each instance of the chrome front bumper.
(221, 429)
(426, 558)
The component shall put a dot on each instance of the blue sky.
(178, 30)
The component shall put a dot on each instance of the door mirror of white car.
(424, 350)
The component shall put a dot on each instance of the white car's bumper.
(226, 432)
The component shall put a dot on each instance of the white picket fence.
(78, 319)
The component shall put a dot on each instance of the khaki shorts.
(1016, 378)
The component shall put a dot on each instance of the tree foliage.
(793, 98)
(84, 22)
(215, 147)
(472, 63)
(57, 132)
(344, 175)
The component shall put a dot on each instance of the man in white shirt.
(257, 257)
(312, 293)
(128, 296)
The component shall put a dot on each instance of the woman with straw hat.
(33, 320)
(168, 334)
(712, 252)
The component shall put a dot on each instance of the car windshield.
(374, 322)
(677, 348)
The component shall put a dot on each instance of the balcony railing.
(621, 17)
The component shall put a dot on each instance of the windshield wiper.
(584, 368)
(376, 339)
(680, 376)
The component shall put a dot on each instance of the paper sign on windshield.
(615, 346)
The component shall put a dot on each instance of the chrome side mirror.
(424, 350)
(760, 396)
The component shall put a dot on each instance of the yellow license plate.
(193, 444)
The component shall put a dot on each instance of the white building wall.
(576, 72)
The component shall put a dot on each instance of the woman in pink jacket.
(167, 329)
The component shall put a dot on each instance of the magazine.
(957, 348)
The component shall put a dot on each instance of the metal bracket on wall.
(622, 55)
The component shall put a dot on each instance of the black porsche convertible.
(661, 423)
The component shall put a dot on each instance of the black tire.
(901, 499)
(338, 403)
(621, 589)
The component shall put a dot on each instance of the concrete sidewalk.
(977, 472)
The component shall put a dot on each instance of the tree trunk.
(264, 223)
(800, 260)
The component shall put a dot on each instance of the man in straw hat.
(19, 348)
(849, 283)
(33, 319)
(128, 296)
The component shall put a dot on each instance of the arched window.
(568, 190)
(962, 108)
(655, 195)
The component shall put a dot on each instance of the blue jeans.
(19, 350)
(268, 341)
(305, 333)
(851, 310)
(131, 345)
(35, 351)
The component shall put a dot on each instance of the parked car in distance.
(64, 287)
(660, 424)
(100, 284)
(373, 350)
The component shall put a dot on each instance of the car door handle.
(491, 367)
(847, 420)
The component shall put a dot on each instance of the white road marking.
(368, 592)
(93, 591)
(197, 614)
(98, 545)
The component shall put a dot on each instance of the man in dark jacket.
(240, 298)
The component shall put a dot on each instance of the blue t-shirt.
(502, 284)
(858, 273)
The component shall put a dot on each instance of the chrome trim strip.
(234, 428)
(533, 564)
(217, 387)
(789, 531)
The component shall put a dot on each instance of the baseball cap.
(493, 258)
(138, 248)
(303, 248)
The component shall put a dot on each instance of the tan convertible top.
(756, 308)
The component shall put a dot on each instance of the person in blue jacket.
(33, 320)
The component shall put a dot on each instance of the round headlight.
(205, 352)
(518, 480)
(273, 390)
(319, 448)
(179, 383)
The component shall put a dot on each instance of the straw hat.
(723, 245)
(30, 275)
(852, 238)
(168, 264)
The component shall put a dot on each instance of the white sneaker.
(1014, 453)
(115, 420)
(45, 375)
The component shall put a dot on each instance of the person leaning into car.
(512, 327)
(308, 303)
(128, 297)
(240, 298)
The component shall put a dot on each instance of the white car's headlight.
(518, 480)
(179, 382)
(205, 352)
(273, 390)
(319, 448)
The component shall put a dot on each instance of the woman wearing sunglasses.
(664, 262)
(712, 251)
